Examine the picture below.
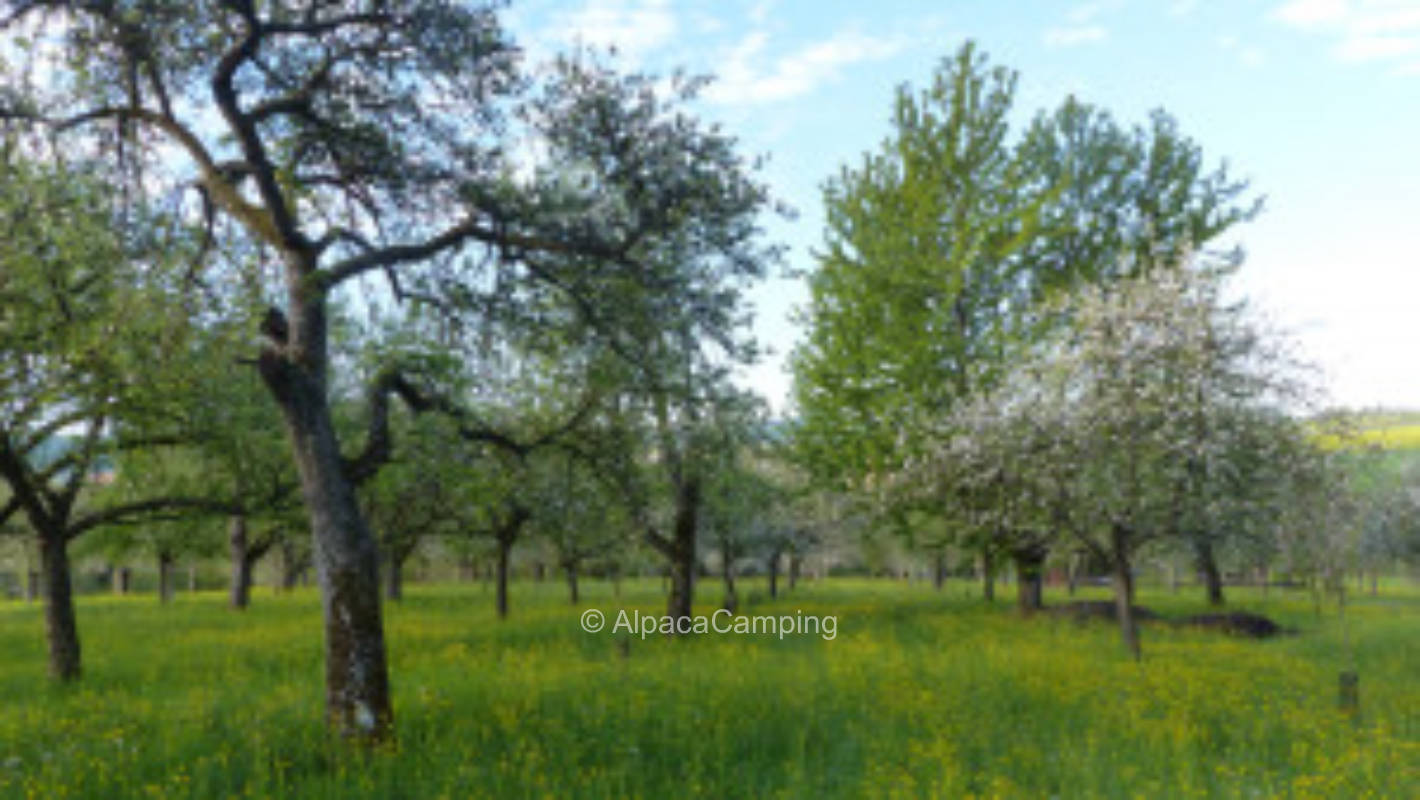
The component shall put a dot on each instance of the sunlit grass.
(920, 695)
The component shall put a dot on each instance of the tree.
(83, 312)
(940, 246)
(374, 141)
(912, 289)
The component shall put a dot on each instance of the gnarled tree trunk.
(343, 548)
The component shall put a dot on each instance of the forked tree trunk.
(1208, 568)
(239, 592)
(60, 630)
(345, 554)
(1124, 591)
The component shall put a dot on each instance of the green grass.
(920, 695)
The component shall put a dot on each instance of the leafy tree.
(374, 140)
(912, 289)
(83, 315)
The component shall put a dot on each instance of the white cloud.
(1077, 35)
(742, 82)
(1362, 30)
(1374, 48)
(1310, 13)
(634, 27)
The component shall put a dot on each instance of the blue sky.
(1317, 102)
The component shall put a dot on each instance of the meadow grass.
(920, 694)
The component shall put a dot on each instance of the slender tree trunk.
(1375, 582)
(505, 553)
(574, 595)
(122, 578)
(795, 565)
(191, 577)
(60, 629)
(939, 571)
(394, 578)
(1030, 576)
(682, 551)
(239, 596)
(1124, 592)
(466, 570)
(988, 574)
(1208, 568)
(774, 576)
(165, 578)
(732, 597)
(31, 585)
(1264, 578)
(1072, 574)
(344, 551)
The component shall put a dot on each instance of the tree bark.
(394, 578)
(682, 551)
(1124, 591)
(1030, 576)
(773, 569)
(122, 579)
(988, 574)
(239, 596)
(795, 564)
(572, 592)
(732, 597)
(1208, 568)
(505, 550)
(60, 629)
(939, 571)
(165, 578)
(343, 548)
